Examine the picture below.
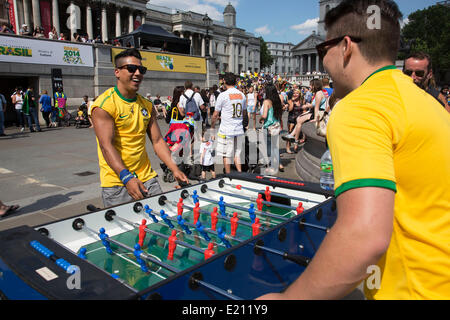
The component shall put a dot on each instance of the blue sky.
(279, 21)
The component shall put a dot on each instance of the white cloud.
(306, 27)
(264, 30)
(404, 22)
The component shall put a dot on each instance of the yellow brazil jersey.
(131, 119)
(389, 133)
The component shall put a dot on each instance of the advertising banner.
(161, 61)
(26, 50)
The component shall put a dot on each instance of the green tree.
(265, 57)
(428, 31)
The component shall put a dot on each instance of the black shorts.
(208, 168)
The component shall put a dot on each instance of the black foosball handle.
(298, 259)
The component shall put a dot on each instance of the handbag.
(274, 129)
(321, 125)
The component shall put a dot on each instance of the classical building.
(105, 18)
(232, 49)
(305, 52)
(283, 62)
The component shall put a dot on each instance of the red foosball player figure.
(196, 212)
(214, 219)
(180, 207)
(255, 227)
(142, 232)
(234, 224)
(267, 194)
(259, 202)
(172, 244)
(209, 252)
(300, 208)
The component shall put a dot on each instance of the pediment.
(309, 43)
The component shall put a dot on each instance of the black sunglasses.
(419, 73)
(323, 47)
(131, 68)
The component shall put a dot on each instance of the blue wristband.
(125, 176)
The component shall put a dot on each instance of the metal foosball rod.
(174, 204)
(267, 214)
(204, 188)
(111, 216)
(82, 226)
(239, 187)
(208, 230)
(262, 213)
(248, 224)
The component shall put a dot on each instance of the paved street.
(54, 174)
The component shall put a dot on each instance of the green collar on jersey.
(122, 97)
(391, 67)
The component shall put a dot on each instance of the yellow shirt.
(389, 133)
(131, 119)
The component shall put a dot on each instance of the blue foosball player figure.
(137, 253)
(103, 236)
(149, 212)
(221, 234)
(195, 197)
(251, 212)
(82, 253)
(221, 204)
(200, 228)
(165, 217)
(182, 224)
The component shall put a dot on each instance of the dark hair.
(177, 92)
(420, 55)
(316, 85)
(230, 79)
(188, 84)
(133, 52)
(351, 18)
(272, 95)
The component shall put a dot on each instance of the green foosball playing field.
(123, 264)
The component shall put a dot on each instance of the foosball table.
(235, 237)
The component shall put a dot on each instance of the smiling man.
(390, 150)
(122, 118)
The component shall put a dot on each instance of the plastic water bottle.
(326, 172)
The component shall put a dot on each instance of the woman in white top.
(17, 100)
(251, 105)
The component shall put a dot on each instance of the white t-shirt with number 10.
(231, 104)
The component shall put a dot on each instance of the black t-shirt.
(435, 93)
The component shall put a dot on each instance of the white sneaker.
(22, 129)
(288, 137)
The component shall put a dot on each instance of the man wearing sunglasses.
(122, 119)
(419, 67)
(389, 143)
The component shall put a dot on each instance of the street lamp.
(207, 21)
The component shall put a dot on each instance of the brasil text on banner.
(26, 50)
(161, 61)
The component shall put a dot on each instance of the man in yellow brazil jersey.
(122, 118)
(389, 143)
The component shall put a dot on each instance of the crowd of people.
(39, 32)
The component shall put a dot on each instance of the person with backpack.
(191, 102)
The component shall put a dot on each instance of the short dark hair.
(420, 55)
(133, 52)
(188, 84)
(351, 18)
(230, 79)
